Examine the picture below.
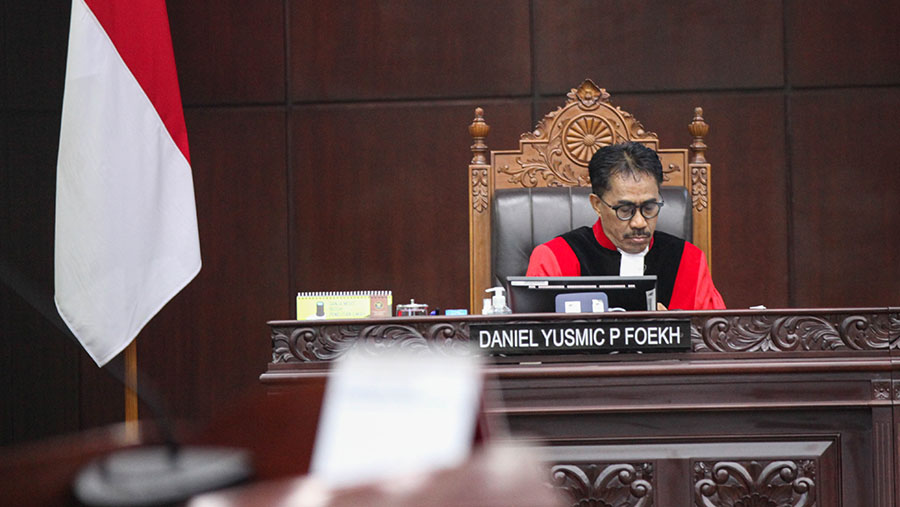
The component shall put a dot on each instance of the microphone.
(161, 474)
(140, 476)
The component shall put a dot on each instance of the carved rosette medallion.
(755, 483)
(586, 134)
(479, 189)
(762, 333)
(605, 485)
(881, 389)
(326, 343)
(699, 190)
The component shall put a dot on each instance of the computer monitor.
(537, 294)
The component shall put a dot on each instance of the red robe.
(692, 289)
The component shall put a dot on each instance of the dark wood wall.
(329, 151)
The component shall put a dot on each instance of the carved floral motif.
(863, 333)
(755, 484)
(588, 94)
(881, 389)
(699, 190)
(326, 343)
(479, 189)
(613, 485)
(761, 333)
(548, 164)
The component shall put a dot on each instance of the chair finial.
(698, 129)
(479, 131)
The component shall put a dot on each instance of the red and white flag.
(126, 222)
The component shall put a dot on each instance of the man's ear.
(596, 203)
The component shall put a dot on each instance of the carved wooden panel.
(772, 332)
(755, 483)
(605, 484)
(719, 332)
(310, 343)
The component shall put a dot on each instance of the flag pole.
(131, 399)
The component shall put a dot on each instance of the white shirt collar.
(632, 264)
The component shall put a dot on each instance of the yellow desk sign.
(344, 305)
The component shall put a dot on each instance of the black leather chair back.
(526, 217)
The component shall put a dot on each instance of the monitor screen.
(537, 294)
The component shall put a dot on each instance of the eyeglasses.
(626, 211)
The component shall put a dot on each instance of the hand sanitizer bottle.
(486, 308)
(498, 300)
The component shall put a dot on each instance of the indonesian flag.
(126, 223)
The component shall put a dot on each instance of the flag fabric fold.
(126, 222)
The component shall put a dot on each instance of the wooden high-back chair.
(523, 197)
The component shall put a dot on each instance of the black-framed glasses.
(626, 211)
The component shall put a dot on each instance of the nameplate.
(581, 337)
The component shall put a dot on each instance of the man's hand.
(661, 307)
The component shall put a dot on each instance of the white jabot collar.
(632, 264)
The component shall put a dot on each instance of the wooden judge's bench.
(771, 407)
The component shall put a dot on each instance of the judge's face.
(632, 235)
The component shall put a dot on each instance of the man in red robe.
(625, 180)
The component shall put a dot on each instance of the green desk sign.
(536, 338)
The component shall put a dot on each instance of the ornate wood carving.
(764, 332)
(563, 142)
(698, 129)
(881, 390)
(670, 169)
(479, 189)
(326, 343)
(699, 188)
(479, 131)
(755, 483)
(619, 485)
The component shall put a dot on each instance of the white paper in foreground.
(393, 414)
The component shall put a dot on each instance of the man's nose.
(638, 221)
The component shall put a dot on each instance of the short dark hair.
(626, 158)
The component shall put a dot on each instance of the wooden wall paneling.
(360, 49)
(204, 347)
(43, 381)
(749, 192)
(5, 302)
(31, 190)
(101, 396)
(657, 46)
(4, 70)
(43, 375)
(229, 52)
(845, 208)
(835, 43)
(36, 39)
(51, 368)
(380, 196)
(6, 360)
